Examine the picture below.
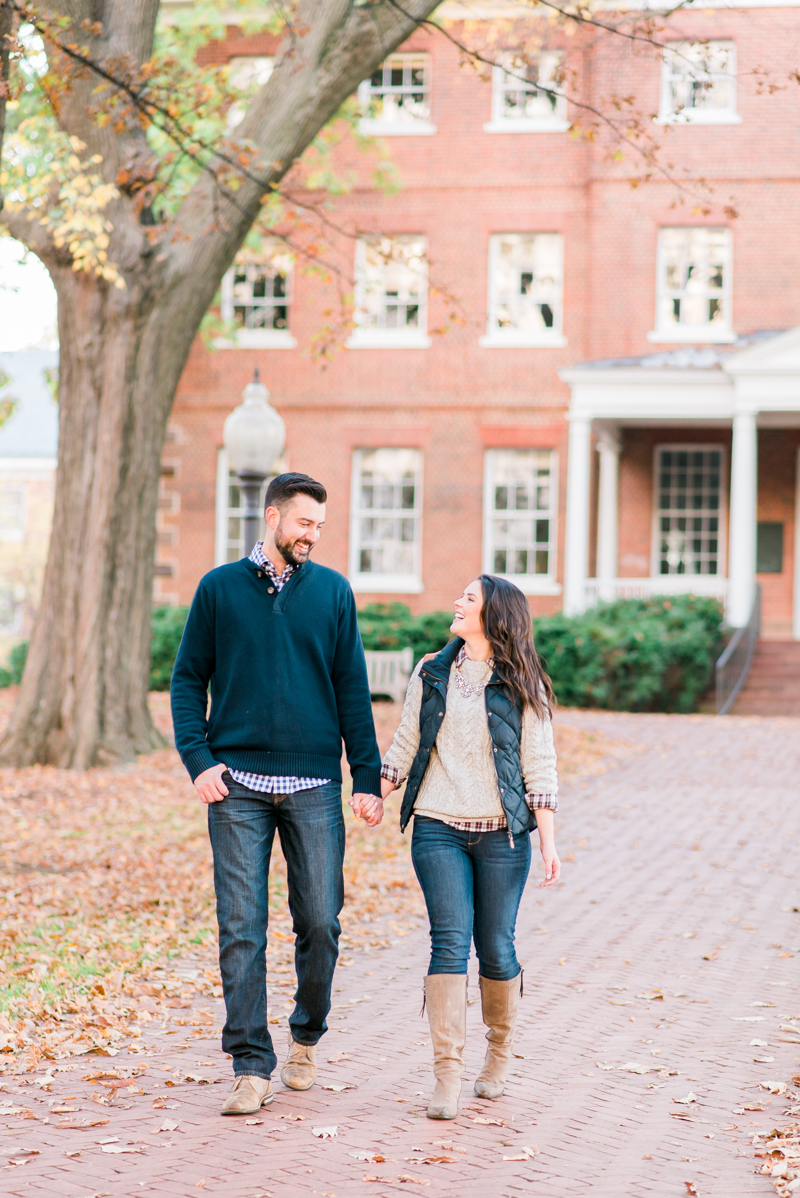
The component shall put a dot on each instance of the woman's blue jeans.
(242, 828)
(473, 884)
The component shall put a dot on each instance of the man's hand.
(210, 786)
(367, 807)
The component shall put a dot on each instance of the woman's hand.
(545, 821)
(367, 807)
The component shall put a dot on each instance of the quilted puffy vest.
(505, 729)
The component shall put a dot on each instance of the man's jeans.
(311, 829)
(473, 883)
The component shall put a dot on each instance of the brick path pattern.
(663, 967)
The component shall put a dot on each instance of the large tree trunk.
(84, 693)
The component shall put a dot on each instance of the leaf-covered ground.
(107, 905)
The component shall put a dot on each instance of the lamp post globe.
(254, 436)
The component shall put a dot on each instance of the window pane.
(234, 532)
(527, 281)
(519, 488)
(522, 84)
(13, 511)
(392, 283)
(699, 77)
(689, 545)
(398, 92)
(386, 525)
(261, 292)
(694, 276)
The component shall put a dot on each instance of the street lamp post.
(254, 437)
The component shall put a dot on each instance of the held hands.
(367, 807)
(210, 786)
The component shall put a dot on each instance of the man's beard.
(286, 548)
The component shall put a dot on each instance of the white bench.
(389, 671)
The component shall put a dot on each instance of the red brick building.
(619, 411)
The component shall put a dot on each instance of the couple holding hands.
(274, 638)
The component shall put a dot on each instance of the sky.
(27, 301)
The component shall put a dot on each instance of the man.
(275, 638)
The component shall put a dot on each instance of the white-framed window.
(520, 505)
(395, 100)
(256, 298)
(698, 84)
(525, 290)
(13, 511)
(525, 96)
(688, 536)
(229, 540)
(247, 73)
(386, 521)
(693, 285)
(391, 293)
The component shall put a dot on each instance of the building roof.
(32, 430)
(692, 357)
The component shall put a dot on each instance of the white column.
(577, 531)
(744, 495)
(607, 514)
(796, 593)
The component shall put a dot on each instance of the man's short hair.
(284, 487)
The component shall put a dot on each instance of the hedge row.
(632, 655)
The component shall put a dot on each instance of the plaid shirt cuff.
(391, 773)
(539, 802)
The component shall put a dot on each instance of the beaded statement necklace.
(468, 689)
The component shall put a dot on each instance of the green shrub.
(634, 654)
(167, 630)
(392, 626)
(11, 672)
(16, 662)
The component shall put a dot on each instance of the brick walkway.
(667, 950)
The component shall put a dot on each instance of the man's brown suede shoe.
(248, 1095)
(300, 1068)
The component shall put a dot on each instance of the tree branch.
(24, 225)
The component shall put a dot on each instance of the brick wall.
(456, 398)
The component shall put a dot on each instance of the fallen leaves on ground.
(525, 1154)
(107, 922)
(780, 1156)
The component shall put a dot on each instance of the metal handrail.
(734, 664)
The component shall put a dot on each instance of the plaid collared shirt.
(536, 802)
(265, 783)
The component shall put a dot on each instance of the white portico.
(702, 406)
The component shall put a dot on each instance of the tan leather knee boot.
(446, 1002)
(499, 1002)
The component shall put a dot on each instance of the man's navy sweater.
(287, 676)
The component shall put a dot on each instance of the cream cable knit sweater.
(460, 782)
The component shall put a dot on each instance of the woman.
(475, 742)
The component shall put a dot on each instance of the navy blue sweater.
(287, 676)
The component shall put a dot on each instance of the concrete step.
(773, 685)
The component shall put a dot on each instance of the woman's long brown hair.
(507, 626)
